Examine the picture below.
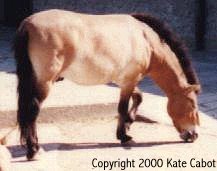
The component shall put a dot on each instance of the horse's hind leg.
(124, 119)
(30, 99)
(36, 69)
(137, 100)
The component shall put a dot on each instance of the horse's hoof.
(127, 141)
(34, 155)
(30, 156)
(125, 138)
(189, 136)
(39, 154)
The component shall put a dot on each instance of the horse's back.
(88, 49)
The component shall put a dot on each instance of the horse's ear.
(195, 87)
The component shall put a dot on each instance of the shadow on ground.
(19, 151)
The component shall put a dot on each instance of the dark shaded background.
(194, 20)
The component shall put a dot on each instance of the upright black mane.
(175, 43)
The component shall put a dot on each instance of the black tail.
(175, 43)
(28, 94)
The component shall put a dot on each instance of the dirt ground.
(84, 139)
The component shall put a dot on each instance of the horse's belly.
(87, 74)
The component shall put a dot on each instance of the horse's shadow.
(18, 151)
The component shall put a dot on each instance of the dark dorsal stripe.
(175, 43)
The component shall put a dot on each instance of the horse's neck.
(166, 71)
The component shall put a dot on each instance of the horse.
(98, 49)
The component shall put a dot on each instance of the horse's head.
(183, 110)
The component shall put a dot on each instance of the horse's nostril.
(185, 136)
(189, 136)
(194, 135)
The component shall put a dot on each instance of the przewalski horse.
(99, 49)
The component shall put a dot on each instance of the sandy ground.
(72, 137)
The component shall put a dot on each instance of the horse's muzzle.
(189, 136)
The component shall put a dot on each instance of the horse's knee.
(123, 106)
(123, 111)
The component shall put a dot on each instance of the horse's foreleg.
(137, 100)
(124, 120)
(31, 96)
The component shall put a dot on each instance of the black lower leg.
(32, 142)
(121, 132)
(124, 120)
(27, 116)
(137, 100)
